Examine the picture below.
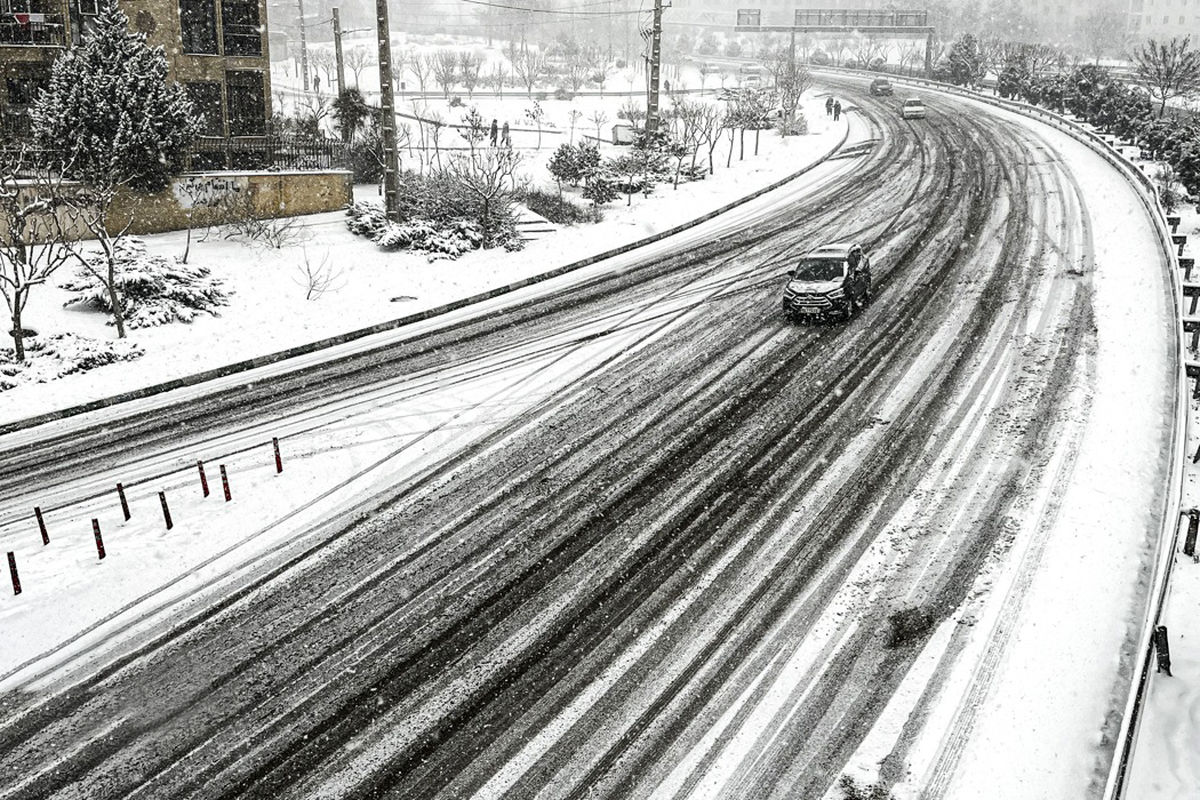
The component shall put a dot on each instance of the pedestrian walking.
(316, 83)
(495, 130)
(829, 106)
(837, 110)
(505, 139)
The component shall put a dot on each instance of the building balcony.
(32, 30)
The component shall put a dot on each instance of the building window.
(206, 98)
(240, 30)
(247, 103)
(198, 26)
(23, 90)
(89, 7)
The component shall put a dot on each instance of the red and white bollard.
(203, 478)
(37, 512)
(162, 497)
(99, 540)
(225, 484)
(12, 570)
(124, 502)
(278, 459)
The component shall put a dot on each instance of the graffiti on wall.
(208, 191)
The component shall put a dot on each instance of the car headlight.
(836, 294)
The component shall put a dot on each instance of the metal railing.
(268, 152)
(38, 30)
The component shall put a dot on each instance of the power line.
(528, 9)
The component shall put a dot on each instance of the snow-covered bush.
(154, 290)
(366, 218)
(424, 236)
(62, 354)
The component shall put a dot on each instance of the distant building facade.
(1164, 19)
(216, 49)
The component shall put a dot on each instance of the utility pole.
(387, 110)
(337, 51)
(655, 63)
(303, 47)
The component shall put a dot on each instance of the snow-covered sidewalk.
(1166, 762)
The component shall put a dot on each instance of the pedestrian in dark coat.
(837, 110)
(494, 132)
(505, 139)
(829, 106)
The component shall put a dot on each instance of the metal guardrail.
(1115, 785)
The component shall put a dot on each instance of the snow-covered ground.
(1078, 624)
(73, 600)
(268, 311)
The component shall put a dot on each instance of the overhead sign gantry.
(843, 20)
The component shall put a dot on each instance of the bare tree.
(709, 131)
(908, 53)
(358, 59)
(497, 78)
(326, 62)
(792, 79)
(317, 278)
(94, 210)
(536, 114)
(1168, 69)
(1102, 31)
(33, 239)
(578, 70)
(487, 176)
(445, 70)
(436, 122)
(529, 67)
(868, 47)
(469, 66)
(598, 119)
(686, 133)
(574, 115)
(421, 67)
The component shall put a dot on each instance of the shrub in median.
(559, 210)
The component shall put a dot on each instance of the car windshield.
(821, 269)
(912, 102)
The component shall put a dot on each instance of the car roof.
(916, 100)
(838, 250)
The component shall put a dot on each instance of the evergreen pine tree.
(966, 61)
(109, 110)
(115, 122)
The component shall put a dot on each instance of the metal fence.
(268, 152)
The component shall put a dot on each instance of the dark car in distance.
(832, 280)
(881, 87)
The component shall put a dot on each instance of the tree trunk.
(742, 145)
(110, 284)
(756, 141)
(18, 334)
(729, 161)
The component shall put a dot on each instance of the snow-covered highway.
(657, 541)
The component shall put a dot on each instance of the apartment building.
(1164, 19)
(217, 49)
